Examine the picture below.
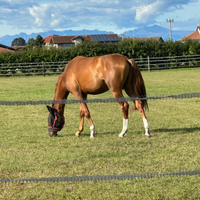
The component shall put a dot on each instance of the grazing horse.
(95, 75)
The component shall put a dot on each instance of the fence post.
(148, 64)
(43, 70)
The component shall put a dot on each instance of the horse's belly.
(95, 87)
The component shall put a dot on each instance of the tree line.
(38, 42)
(132, 48)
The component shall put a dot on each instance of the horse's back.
(95, 75)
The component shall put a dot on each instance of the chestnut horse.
(95, 75)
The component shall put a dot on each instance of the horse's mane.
(56, 87)
(58, 82)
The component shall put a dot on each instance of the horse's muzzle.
(53, 134)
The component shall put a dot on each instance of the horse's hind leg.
(124, 107)
(139, 106)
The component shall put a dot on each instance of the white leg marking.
(146, 126)
(92, 131)
(125, 127)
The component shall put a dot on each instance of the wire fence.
(100, 177)
(172, 62)
(107, 100)
(48, 68)
(35, 68)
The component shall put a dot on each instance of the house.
(193, 36)
(158, 39)
(68, 41)
(4, 48)
(47, 39)
(18, 48)
(61, 41)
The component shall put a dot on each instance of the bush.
(128, 47)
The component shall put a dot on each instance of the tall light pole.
(170, 21)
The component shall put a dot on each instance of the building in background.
(157, 39)
(68, 41)
(193, 36)
(4, 48)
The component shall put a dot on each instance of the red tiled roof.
(193, 36)
(79, 36)
(5, 50)
(62, 39)
(88, 38)
(18, 47)
(47, 39)
(70, 39)
(112, 35)
(149, 38)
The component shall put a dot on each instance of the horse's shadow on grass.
(171, 131)
(176, 130)
(87, 134)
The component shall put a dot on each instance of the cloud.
(15, 3)
(54, 14)
(15, 13)
(73, 14)
(148, 12)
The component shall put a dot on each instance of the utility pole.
(170, 21)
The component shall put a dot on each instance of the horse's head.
(55, 121)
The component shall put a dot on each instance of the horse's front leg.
(81, 126)
(84, 112)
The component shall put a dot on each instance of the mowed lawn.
(26, 150)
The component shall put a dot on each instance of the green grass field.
(26, 150)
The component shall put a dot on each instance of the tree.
(18, 42)
(39, 41)
(31, 42)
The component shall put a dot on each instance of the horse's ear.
(51, 110)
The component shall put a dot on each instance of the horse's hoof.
(77, 134)
(121, 136)
(148, 136)
(53, 134)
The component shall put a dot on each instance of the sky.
(33, 16)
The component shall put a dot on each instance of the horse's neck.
(60, 108)
(60, 94)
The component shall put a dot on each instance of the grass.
(28, 152)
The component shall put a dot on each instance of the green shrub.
(128, 47)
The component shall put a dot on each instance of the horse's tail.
(138, 83)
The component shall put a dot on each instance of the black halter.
(55, 122)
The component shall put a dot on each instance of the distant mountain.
(151, 31)
(7, 39)
(156, 30)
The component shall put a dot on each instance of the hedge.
(128, 47)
